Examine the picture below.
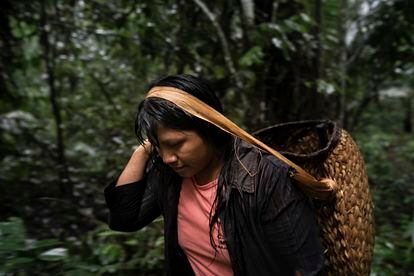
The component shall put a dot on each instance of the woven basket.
(346, 223)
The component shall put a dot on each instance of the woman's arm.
(131, 198)
(135, 168)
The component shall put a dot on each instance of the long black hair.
(154, 112)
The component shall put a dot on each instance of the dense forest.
(73, 72)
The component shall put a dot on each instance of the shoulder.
(266, 178)
(273, 172)
(260, 161)
(258, 171)
(274, 179)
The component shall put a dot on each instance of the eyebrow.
(172, 141)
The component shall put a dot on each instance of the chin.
(185, 174)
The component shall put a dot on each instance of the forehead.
(165, 134)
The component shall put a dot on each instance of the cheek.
(195, 155)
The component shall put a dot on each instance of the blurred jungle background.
(72, 73)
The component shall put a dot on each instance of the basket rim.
(333, 140)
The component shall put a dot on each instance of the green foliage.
(389, 160)
(394, 249)
(99, 252)
(22, 255)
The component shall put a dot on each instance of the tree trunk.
(408, 122)
(317, 34)
(316, 97)
(65, 187)
(248, 20)
(343, 63)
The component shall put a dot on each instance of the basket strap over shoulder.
(323, 189)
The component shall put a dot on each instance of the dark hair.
(153, 112)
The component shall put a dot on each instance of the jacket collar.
(244, 166)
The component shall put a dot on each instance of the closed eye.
(173, 144)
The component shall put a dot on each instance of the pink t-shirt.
(194, 232)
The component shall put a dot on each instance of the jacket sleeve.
(290, 225)
(134, 205)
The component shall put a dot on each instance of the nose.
(169, 158)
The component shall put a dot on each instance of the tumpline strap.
(323, 189)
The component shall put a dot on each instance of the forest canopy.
(73, 72)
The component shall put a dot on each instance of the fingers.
(148, 147)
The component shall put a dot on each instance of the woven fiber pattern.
(346, 223)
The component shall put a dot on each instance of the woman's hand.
(148, 148)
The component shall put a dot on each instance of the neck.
(211, 172)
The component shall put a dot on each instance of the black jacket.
(269, 225)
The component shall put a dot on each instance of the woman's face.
(188, 154)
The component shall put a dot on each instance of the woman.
(228, 207)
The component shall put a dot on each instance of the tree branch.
(223, 41)
(106, 93)
(275, 7)
(248, 11)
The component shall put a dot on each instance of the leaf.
(277, 42)
(253, 56)
(160, 241)
(21, 260)
(42, 243)
(12, 235)
(325, 87)
(111, 234)
(55, 254)
(110, 253)
(131, 242)
(305, 18)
